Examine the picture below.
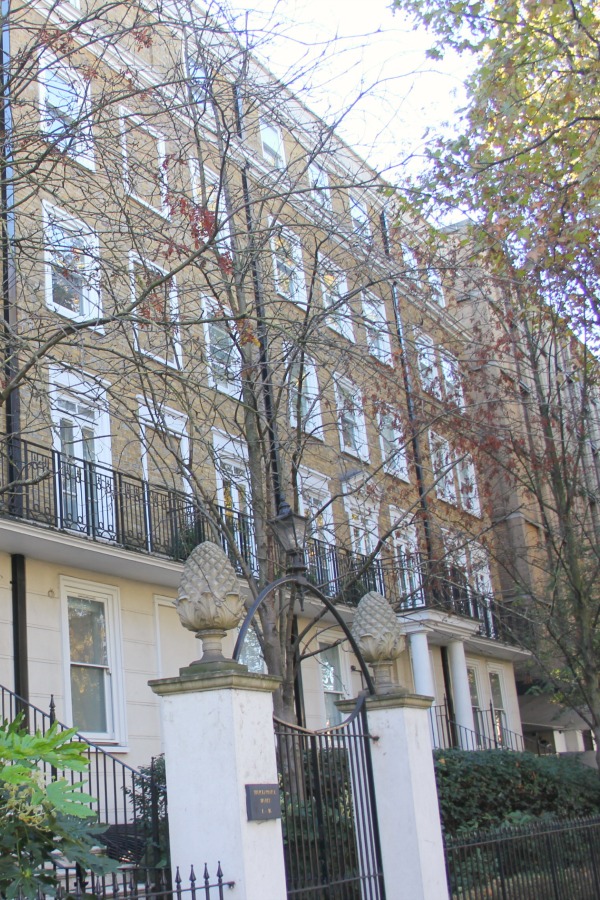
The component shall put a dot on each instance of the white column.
(461, 694)
(406, 796)
(423, 674)
(218, 730)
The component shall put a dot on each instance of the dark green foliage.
(149, 801)
(319, 833)
(494, 787)
(39, 816)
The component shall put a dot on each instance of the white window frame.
(108, 595)
(363, 522)
(297, 290)
(320, 189)
(437, 287)
(453, 389)
(312, 422)
(67, 385)
(200, 93)
(272, 146)
(339, 316)
(467, 484)
(232, 452)
(359, 216)
(377, 327)
(405, 543)
(215, 202)
(231, 385)
(314, 484)
(79, 143)
(126, 116)
(324, 647)
(442, 466)
(428, 365)
(136, 260)
(52, 216)
(347, 392)
(394, 462)
(164, 419)
(411, 265)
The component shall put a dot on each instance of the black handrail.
(126, 800)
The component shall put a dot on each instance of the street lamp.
(290, 530)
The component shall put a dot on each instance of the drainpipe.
(415, 440)
(11, 365)
(265, 371)
(19, 617)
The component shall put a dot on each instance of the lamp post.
(290, 530)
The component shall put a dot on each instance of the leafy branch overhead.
(526, 161)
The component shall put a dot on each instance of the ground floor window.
(93, 659)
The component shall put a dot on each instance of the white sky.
(374, 50)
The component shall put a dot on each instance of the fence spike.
(219, 870)
(206, 876)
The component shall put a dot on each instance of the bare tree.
(193, 267)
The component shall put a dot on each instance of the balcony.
(448, 589)
(342, 573)
(106, 505)
(101, 503)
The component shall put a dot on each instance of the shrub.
(486, 789)
(149, 801)
(39, 816)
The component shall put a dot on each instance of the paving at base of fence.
(556, 860)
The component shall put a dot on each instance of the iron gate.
(329, 819)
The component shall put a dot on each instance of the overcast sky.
(349, 46)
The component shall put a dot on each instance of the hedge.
(485, 789)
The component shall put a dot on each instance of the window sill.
(163, 211)
(75, 317)
(171, 364)
(351, 339)
(401, 476)
(355, 454)
(86, 161)
(232, 390)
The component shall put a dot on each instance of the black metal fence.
(490, 731)
(128, 802)
(132, 882)
(329, 819)
(550, 860)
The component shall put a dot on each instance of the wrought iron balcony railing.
(339, 572)
(51, 488)
(55, 489)
(58, 490)
(490, 731)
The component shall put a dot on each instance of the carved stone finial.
(377, 634)
(209, 602)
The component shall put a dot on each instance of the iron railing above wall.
(549, 860)
(490, 731)
(138, 884)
